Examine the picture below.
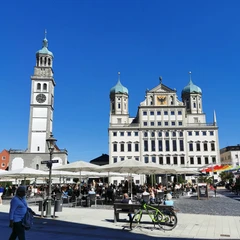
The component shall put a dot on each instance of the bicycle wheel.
(167, 221)
(135, 220)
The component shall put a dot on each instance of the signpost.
(202, 190)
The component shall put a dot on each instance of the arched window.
(44, 87)
(41, 61)
(39, 86)
(49, 62)
(37, 166)
(45, 61)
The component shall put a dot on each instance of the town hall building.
(166, 130)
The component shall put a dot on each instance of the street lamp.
(51, 144)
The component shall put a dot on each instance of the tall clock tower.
(42, 100)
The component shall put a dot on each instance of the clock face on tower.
(41, 98)
(161, 100)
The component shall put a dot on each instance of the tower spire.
(190, 76)
(45, 41)
(119, 76)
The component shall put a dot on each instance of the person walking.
(1, 193)
(18, 208)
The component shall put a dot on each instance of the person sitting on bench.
(126, 199)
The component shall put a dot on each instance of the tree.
(226, 176)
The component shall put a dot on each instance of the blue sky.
(93, 40)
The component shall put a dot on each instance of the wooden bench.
(132, 208)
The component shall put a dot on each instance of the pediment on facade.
(161, 88)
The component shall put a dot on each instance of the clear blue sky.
(93, 40)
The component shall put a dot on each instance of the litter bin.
(58, 206)
(41, 206)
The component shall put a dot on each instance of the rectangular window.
(122, 147)
(174, 145)
(204, 133)
(213, 160)
(122, 158)
(129, 147)
(161, 160)
(206, 160)
(181, 145)
(175, 161)
(152, 123)
(129, 134)
(168, 160)
(119, 105)
(179, 112)
(153, 145)
(197, 133)
(159, 123)
(146, 159)
(191, 160)
(212, 146)
(158, 113)
(136, 134)
(160, 145)
(152, 113)
(211, 133)
(136, 147)
(165, 113)
(121, 134)
(182, 161)
(205, 148)
(172, 113)
(114, 134)
(166, 123)
(115, 159)
(199, 161)
(179, 123)
(174, 134)
(190, 147)
(145, 145)
(166, 134)
(115, 147)
(144, 113)
(189, 133)
(180, 134)
(137, 158)
(198, 147)
(167, 145)
(144, 123)
(173, 123)
(154, 159)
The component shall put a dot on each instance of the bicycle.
(165, 219)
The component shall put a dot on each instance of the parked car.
(221, 184)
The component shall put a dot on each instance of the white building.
(230, 155)
(41, 117)
(165, 131)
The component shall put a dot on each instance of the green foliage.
(205, 179)
(226, 176)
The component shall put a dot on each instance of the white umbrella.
(23, 173)
(130, 166)
(78, 166)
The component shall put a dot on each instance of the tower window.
(37, 166)
(119, 105)
(38, 86)
(44, 87)
(45, 61)
(49, 62)
(38, 148)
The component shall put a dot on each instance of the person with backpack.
(18, 209)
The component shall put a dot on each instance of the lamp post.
(50, 143)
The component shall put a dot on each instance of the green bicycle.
(166, 219)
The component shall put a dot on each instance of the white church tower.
(42, 100)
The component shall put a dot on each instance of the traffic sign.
(46, 162)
